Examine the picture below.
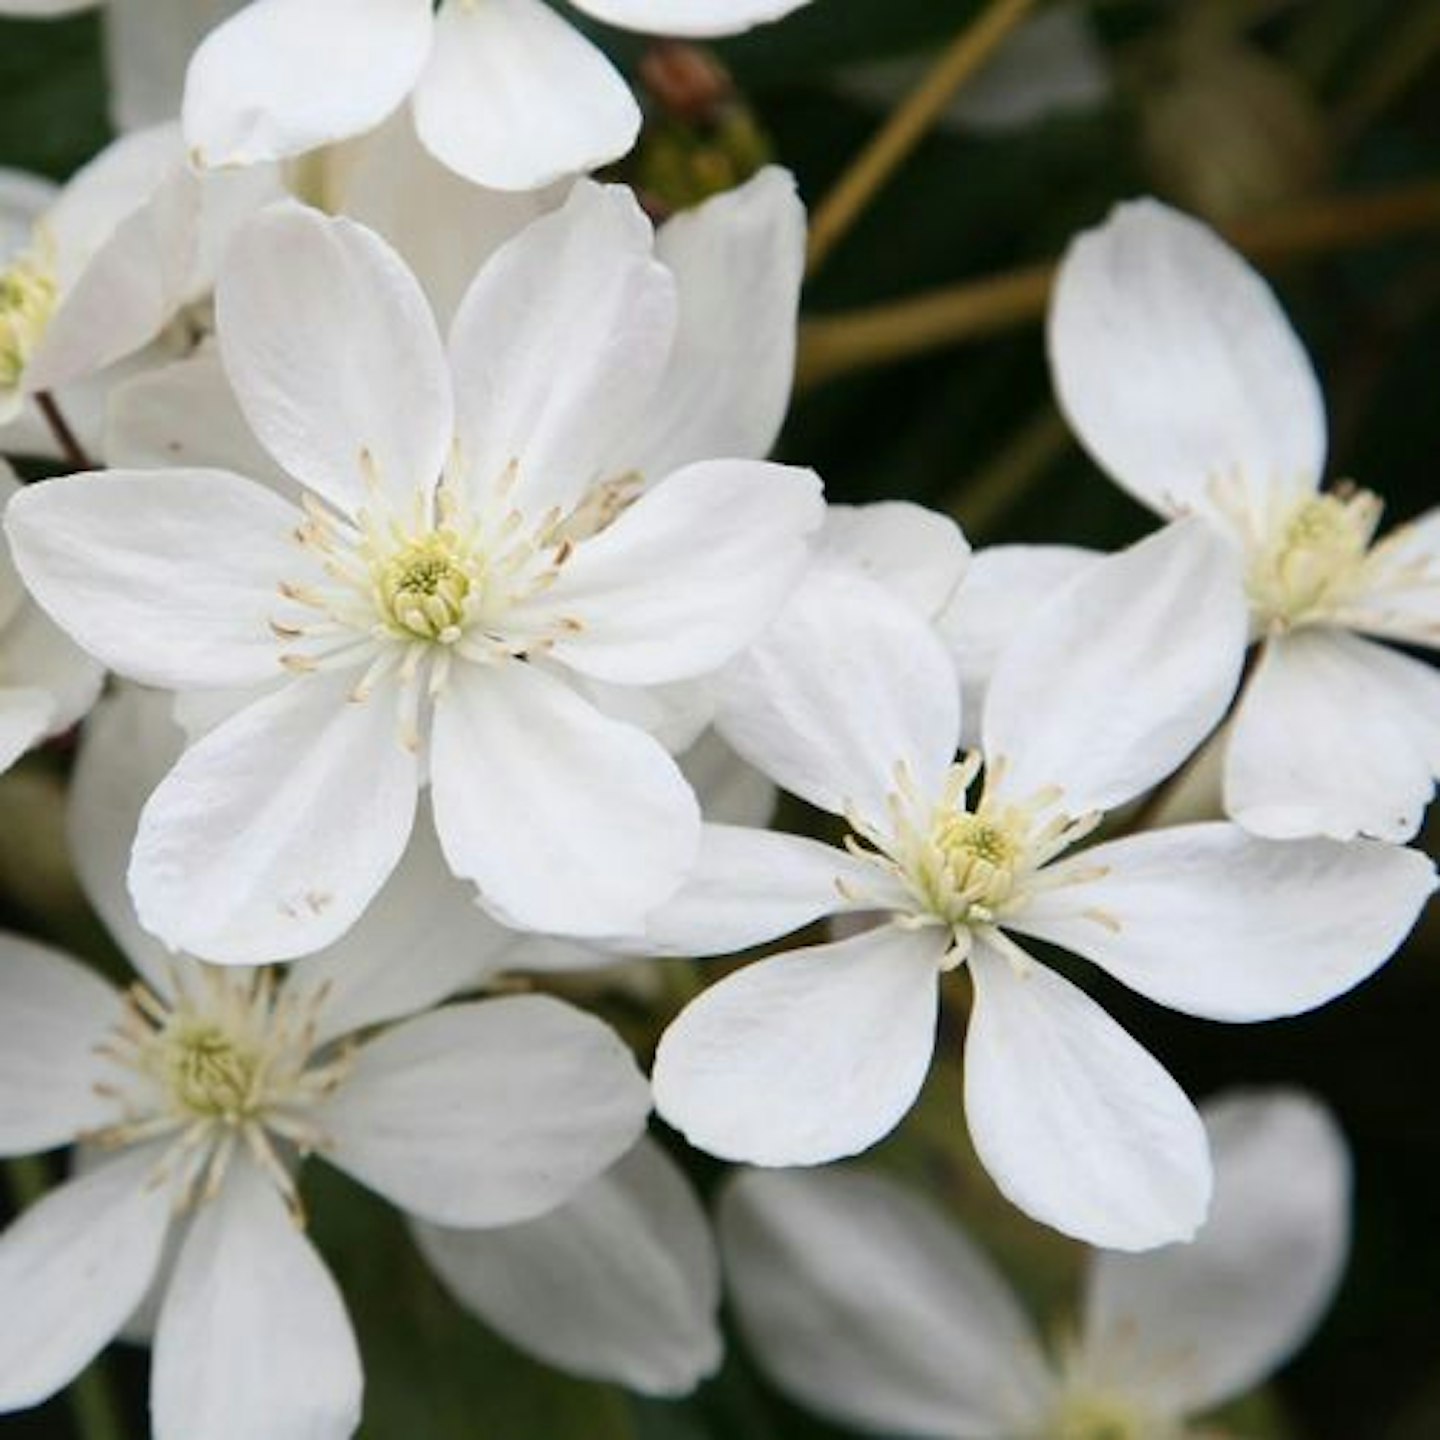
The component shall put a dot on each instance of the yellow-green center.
(210, 1073)
(28, 296)
(425, 587)
(1314, 561)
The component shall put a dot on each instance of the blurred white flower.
(622, 1283)
(468, 553)
(1182, 377)
(865, 1303)
(103, 270)
(46, 681)
(507, 94)
(199, 1091)
(816, 1054)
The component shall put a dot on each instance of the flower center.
(29, 293)
(1313, 562)
(212, 1074)
(227, 1061)
(423, 589)
(966, 868)
(1103, 1417)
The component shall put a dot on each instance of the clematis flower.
(103, 271)
(467, 556)
(808, 1056)
(507, 94)
(865, 1303)
(46, 682)
(199, 1091)
(1182, 377)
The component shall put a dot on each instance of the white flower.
(507, 93)
(622, 1283)
(102, 272)
(46, 682)
(207, 1086)
(866, 1303)
(816, 1054)
(1184, 380)
(467, 555)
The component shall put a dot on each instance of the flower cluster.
(460, 635)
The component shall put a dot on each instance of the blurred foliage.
(1227, 106)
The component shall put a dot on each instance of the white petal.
(148, 44)
(53, 1013)
(488, 1113)
(1402, 598)
(422, 940)
(1214, 922)
(185, 416)
(1193, 1326)
(749, 886)
(1176, 366)
(731, 791)
(127, 289)
(285, 76)
(917, 554)
(804, 1057)
(1003, 587)
(558, 347)
(848, 683)
(128, 745)
(444, 227)
(701, 18)
(273, 833)
(334, 355)
(687, 576)
(253, 1336)
(865, 1303)
(36, 654)
(737, 260)
(169, 577)
(1122, 673)
(515, 97)
(566, 820)
(72, 1268)
(1334, 736)
(1078, 1126)
(621, 1283)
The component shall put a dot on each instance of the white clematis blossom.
(469, 555)
(104, 269)
(197, 1093)
(507, 94)
(816, 1054)
(1182, 377)
(46, 682)
(865, 1303)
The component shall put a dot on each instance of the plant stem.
(1405, 53)
(1021, 463)
(93, 1404)
(65, 437)
(835, 345)
(908, 124)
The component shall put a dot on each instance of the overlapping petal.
(1078, 1125)
(620, 1283)
(486, 1114)
(865, 1302)
(1215, 922)
(808, 1056)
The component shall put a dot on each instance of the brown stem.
(908, 124)
(70, 447)
(831, 346)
